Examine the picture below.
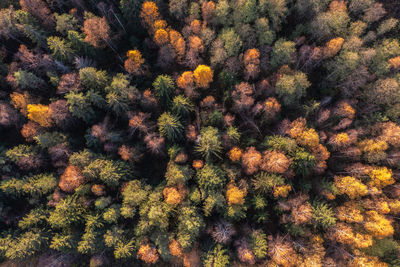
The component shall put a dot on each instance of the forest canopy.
(196, 133)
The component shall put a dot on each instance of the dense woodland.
(200, 133)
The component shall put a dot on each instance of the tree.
(217, 257)
(322, 215)
(39, 10)
(97, 31)
(94, 79)
(291, 88)
(111, 172)
(149, 13)
(178, 8)
(164, 88)
(252, 62)
(210, 143)
(65, 23)
(148, 253)
(190, 224)
(332, 22)
(71, 179)
(203, 76)
(28, 80)
(170, 127)
(61, 50)
(40, 114)
(350, 186)
(251, 160)
(232, 42)
(277, 11)
(134, 63)
(283, 52)
(79, 106)
(275, 162)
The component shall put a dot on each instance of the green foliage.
(264, 34)
(33, 218)
(69, 211)
(210, 177)
(26, 245)
(232, 42)
(111, 172)
(94, 79)
(17, 152)
(164, 88)
(34, 186)
(170, 126)
(277, 142)
(65, 23)
(265, 182)
(82, 158)
(182, 106)
(259, 244)
(28, 80)
(290, 88)
(245, 11)
(217, 257)
(80, 106)
(190, 224)
(277, 11)
(177, 174)
(60, 48)
(303, 162)
(330, 24)
(282, 53)
(322, 215)
(62, 242)
(49, 139)
(124, 250)
(210, 143)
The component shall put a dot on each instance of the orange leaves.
(161, 37)
(148, 253)
(149, 13)
(271, 105)
(178, 43)
(251, 63)
(381, 177)
(198, 164)
(71, 179)
(235, 154)
(97, 31)
(21, 101)
(207, 10)
(377, 225)
(349, 212)
(275, 162)
(251, 160)
(282, 190)
(344, 234)
(395, 62)
(196, 44)
(175, 248)
(203, 76)
(350, 186)
(339, 140)
(235, 195)
(186, 80)
(134, 62)
(174, 195)
(282, 252)
(39, 113)
(333, 47)
(308, 138)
